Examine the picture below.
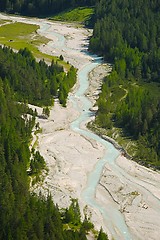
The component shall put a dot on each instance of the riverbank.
(133, 189)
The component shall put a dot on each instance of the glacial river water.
(112, 217)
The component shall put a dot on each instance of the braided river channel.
(112, 217)
(142, 185)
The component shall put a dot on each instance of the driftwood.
(117, 146)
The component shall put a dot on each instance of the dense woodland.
(34, 82)
(128, 35)
(41, 7)
(24, 215)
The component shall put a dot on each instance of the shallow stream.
(112, 216)
(113, 219)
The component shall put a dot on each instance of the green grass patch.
(17, 30)
(71, 226)
(3, 21)
(152, 87)
(22, 35)
(117, 93)
(81, 15)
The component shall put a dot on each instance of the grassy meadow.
(20, 35)
(80, 15)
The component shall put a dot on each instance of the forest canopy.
(23, 214)
(125, 33)
(41, 7)
(128, 35)
(35, 82)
